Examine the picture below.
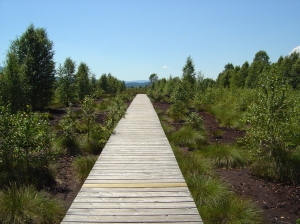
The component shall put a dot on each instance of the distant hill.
(1, 69)
(137, 83)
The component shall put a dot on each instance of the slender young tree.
(82, 80)
(66, 82)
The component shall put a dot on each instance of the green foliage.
(179, 101)
(21, 205)
(153, 78)
(227, 105)
(68, 138)
(273, 130)
(66, 82)
(115, 112)
(88, 115)
(156, 95)
(82, 80)
(12, 84)
(225, 156)
(110, 84)
(25, 144)
(195, 121)
(32, 69)
(189, 77)
(83, 166)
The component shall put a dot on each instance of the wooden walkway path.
(136, 179)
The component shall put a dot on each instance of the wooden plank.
(132, 218)
(135, 211)
(136, 179)
(133, 185)
(123, 205)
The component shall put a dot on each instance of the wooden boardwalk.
(136, 179)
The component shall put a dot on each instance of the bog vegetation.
(30, 147)
(260, 97)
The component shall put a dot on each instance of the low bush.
(68, 138)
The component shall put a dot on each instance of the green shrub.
(98, 138)
(115, 112)
(195, 121)
(273, 131)
(68, 138)
(25, 144)
(83, 166)
(225, 155)
(26, 205)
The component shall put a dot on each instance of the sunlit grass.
(188, 137)
(231, 209)
(228, 156)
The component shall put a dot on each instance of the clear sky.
(131, 39)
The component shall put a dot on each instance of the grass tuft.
(225, 156)
(83, 166)
(26, 205)
(188, 137)
(232, 210)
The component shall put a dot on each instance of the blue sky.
(132, 39)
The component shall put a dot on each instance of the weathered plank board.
(136, 179)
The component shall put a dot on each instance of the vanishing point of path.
(136, 179)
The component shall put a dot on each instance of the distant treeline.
(247, 75)
(29, 78)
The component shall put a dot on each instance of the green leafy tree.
(179, 101)
(259, 66)
(262, 56)
(224, 77)
(103, 83)
(93, 85)
(189, 75)
(66, 82)
(153, 78)
(34, 54)
(12, 84)
(82, 80)
(274, 127)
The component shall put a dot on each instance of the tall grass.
(231, 209)
(228, 156)
(188, 137)
(215, 202)
(20, 205)
(83, 166)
